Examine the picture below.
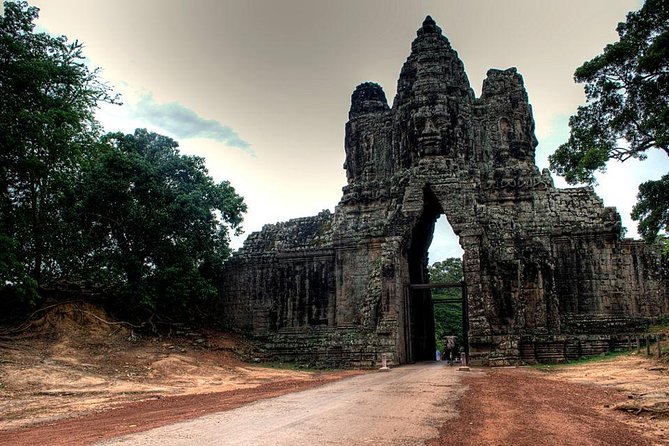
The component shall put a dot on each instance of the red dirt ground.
(522, 407)
(144, 415)
(74, 378)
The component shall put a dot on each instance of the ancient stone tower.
(548, 275)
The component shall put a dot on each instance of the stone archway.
(420, 323)
(421, 312)
(548, 273)
(425, 201)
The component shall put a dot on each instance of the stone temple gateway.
(547, 272)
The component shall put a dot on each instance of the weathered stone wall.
(283, 277)
(547, 272)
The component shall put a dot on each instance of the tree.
(149, 223)
(627, 110)
(124, 212)
(447, 316)
(446, 271)
(47, 100)
(18, 289)
(652, 209)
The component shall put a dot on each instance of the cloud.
(184, 123)
(445, 244)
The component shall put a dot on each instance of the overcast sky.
(261, 89)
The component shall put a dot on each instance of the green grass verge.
(580, 361)
(298, 367)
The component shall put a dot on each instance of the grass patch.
(296, 366)
(583, 360)
(282, 365)
(661, 327)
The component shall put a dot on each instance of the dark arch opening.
(446, 267)
(434, 313)
(422, 345)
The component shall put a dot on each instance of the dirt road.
(403, 407)
(74, 380)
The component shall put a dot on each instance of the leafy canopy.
(151, 222)
(125, 213)
(47, 100)
(447, 316)
(446, 271)
(652, 209)
(627, 111)
(627, 89)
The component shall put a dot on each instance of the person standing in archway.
(450, 344)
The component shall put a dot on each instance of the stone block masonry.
(548, 274)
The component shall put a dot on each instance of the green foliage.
(447, 322)
(652, 210)
(627, 114)
(149, 222)
(18, 289)
(47, 98)
(447, 271)
(627, 88)
(447, 316)
(126, 213)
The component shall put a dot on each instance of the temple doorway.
(437, 304)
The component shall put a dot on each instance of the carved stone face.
(429, 138)
(430, 129)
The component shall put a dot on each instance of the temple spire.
(429, 27)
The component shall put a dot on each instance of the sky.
(261, 89)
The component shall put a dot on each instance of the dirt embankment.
(74, 377)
